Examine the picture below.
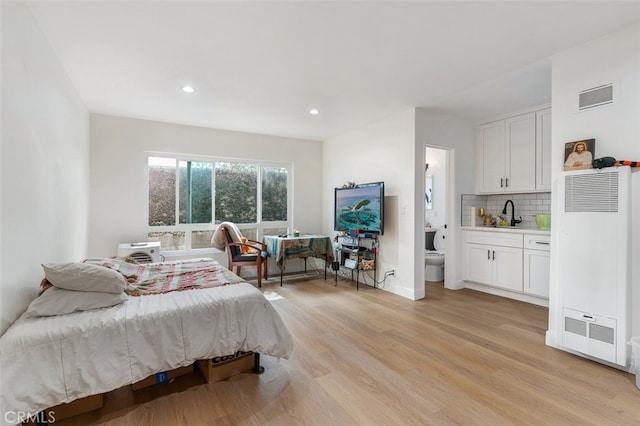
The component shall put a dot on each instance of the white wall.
(614, 58)
(457, 135)
(437, 160)
(381, 151)
(118, 172)
(45, 162)
(393, 150)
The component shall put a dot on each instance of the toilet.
(434, 257)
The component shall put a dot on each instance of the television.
(360, 207)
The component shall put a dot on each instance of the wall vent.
(591, 193)
(595, 97)
(575, 326)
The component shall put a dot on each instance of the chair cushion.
(249, 257)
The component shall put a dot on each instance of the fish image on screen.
(360, 208)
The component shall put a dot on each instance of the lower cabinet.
(537, 262)
(494, 265)
(508, 261)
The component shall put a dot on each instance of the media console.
(359, 254)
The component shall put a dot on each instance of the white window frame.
(188, 228)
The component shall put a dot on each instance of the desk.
(290, 247)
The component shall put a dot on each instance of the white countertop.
(507, 229)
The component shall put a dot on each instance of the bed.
(46, 361)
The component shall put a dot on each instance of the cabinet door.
(543, 150)
(477, 263)
(521, 144)
(490, 158)
(507, 267)
(536, 272)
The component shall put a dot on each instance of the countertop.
(507, 229)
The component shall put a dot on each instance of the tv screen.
(360, 207)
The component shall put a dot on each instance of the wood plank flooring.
(373, 358)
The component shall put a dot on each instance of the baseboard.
(508, 294)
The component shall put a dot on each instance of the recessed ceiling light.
(314, 111)
(188, 89)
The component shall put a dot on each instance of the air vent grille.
(595, 97)
(575, 326)
(591, 193)
(601, 333)
(141, 257)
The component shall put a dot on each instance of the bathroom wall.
(526, 205)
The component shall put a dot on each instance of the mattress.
(46, 361)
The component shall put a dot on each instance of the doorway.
(436, 210)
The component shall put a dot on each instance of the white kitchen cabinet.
(536, 275)
(520, 174)
(490, 158)
(543, 150)
(493, 259)
(507, 154)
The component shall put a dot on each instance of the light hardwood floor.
(373, 358)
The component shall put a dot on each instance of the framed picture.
(428, 192)
(578, 155)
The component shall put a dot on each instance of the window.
(188, 197)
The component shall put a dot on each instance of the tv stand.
(359, 254)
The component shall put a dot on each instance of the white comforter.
(45, 361)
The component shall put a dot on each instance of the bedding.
(84, 277)
(58, 301)
(46, 361)
(153, 278)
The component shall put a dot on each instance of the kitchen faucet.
(504, 211)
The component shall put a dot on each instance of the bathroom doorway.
(437, 200)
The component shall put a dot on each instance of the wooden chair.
(237, 258)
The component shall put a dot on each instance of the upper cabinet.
(513, 154)
(543, 150)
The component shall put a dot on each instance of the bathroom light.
(314, 111)
(188, 89)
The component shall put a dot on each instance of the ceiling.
(261, 66)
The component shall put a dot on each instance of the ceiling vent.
(596, 97)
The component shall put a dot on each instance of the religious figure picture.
(579, 154)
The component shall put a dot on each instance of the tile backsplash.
(526, 205)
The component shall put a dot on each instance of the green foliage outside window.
(274, 194)
(231, 186)
(236, 193)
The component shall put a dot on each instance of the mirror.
(428, 192)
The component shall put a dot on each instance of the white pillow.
(84, 277)
(57, 301)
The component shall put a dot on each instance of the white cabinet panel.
(507, 268)
(543, 150)
(491, 149)
(520, 174)
(477, 265)
(536, 272)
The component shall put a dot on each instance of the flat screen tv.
(360, 208)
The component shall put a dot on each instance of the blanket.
(217, 240)
(156, 278)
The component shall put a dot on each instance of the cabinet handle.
(545, 243)
(506, 182)
(501, 182)
(494, 255)
(488, 254)
(588, 318)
